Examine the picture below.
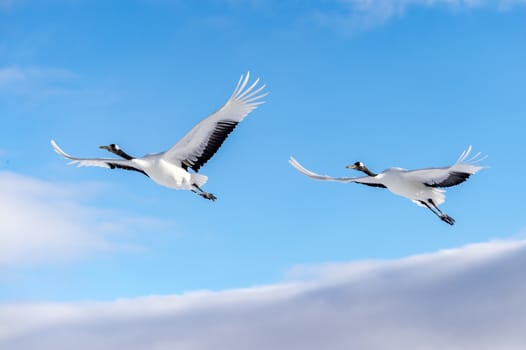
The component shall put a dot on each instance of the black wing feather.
(221, 132)
(125, 167)
(454, 178)
(369, 184)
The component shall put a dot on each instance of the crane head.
(357, 166)
(112, 148)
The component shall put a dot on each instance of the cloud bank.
(46, 222)
(467, 298)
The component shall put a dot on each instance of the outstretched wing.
(100, 162)
(449, 176)
(203, 141)
(364, 180)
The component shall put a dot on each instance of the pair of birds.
(171, 168)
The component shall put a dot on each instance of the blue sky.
(401, 83)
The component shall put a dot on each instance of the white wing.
(203, 141)
(100, 162)
(448, 176)
(315, 176)
(364, 180)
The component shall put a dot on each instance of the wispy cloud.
(45, 222)
(7, 5)
(36, 81)
(466, 298)
(10, 75)
(353, 15)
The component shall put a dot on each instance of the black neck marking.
(368, 172)
(113, 148)
(123, 154)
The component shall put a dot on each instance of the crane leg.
(203, 194)
(444, 217)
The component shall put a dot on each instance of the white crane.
(422, 186)
(171, 168)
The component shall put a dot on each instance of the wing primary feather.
(255, 104)
(464, 154)
(453, 175)
(59, 151)
(247, 90)
(252, 93)
(205, 138)
(478, 157)
(255, 98)
(242, 85)
(237, 87)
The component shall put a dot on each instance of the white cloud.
(9, 6)
(10, 75)
(45, 222)
(352, 15)
(36, 81)
(6, 5)
(15, 74)
(466, 298)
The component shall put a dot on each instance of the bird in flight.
(172, 168)
(422, 186)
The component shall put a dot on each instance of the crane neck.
(123, 154)
(368, 172)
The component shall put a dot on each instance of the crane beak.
(105, 147)
(352, 166)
